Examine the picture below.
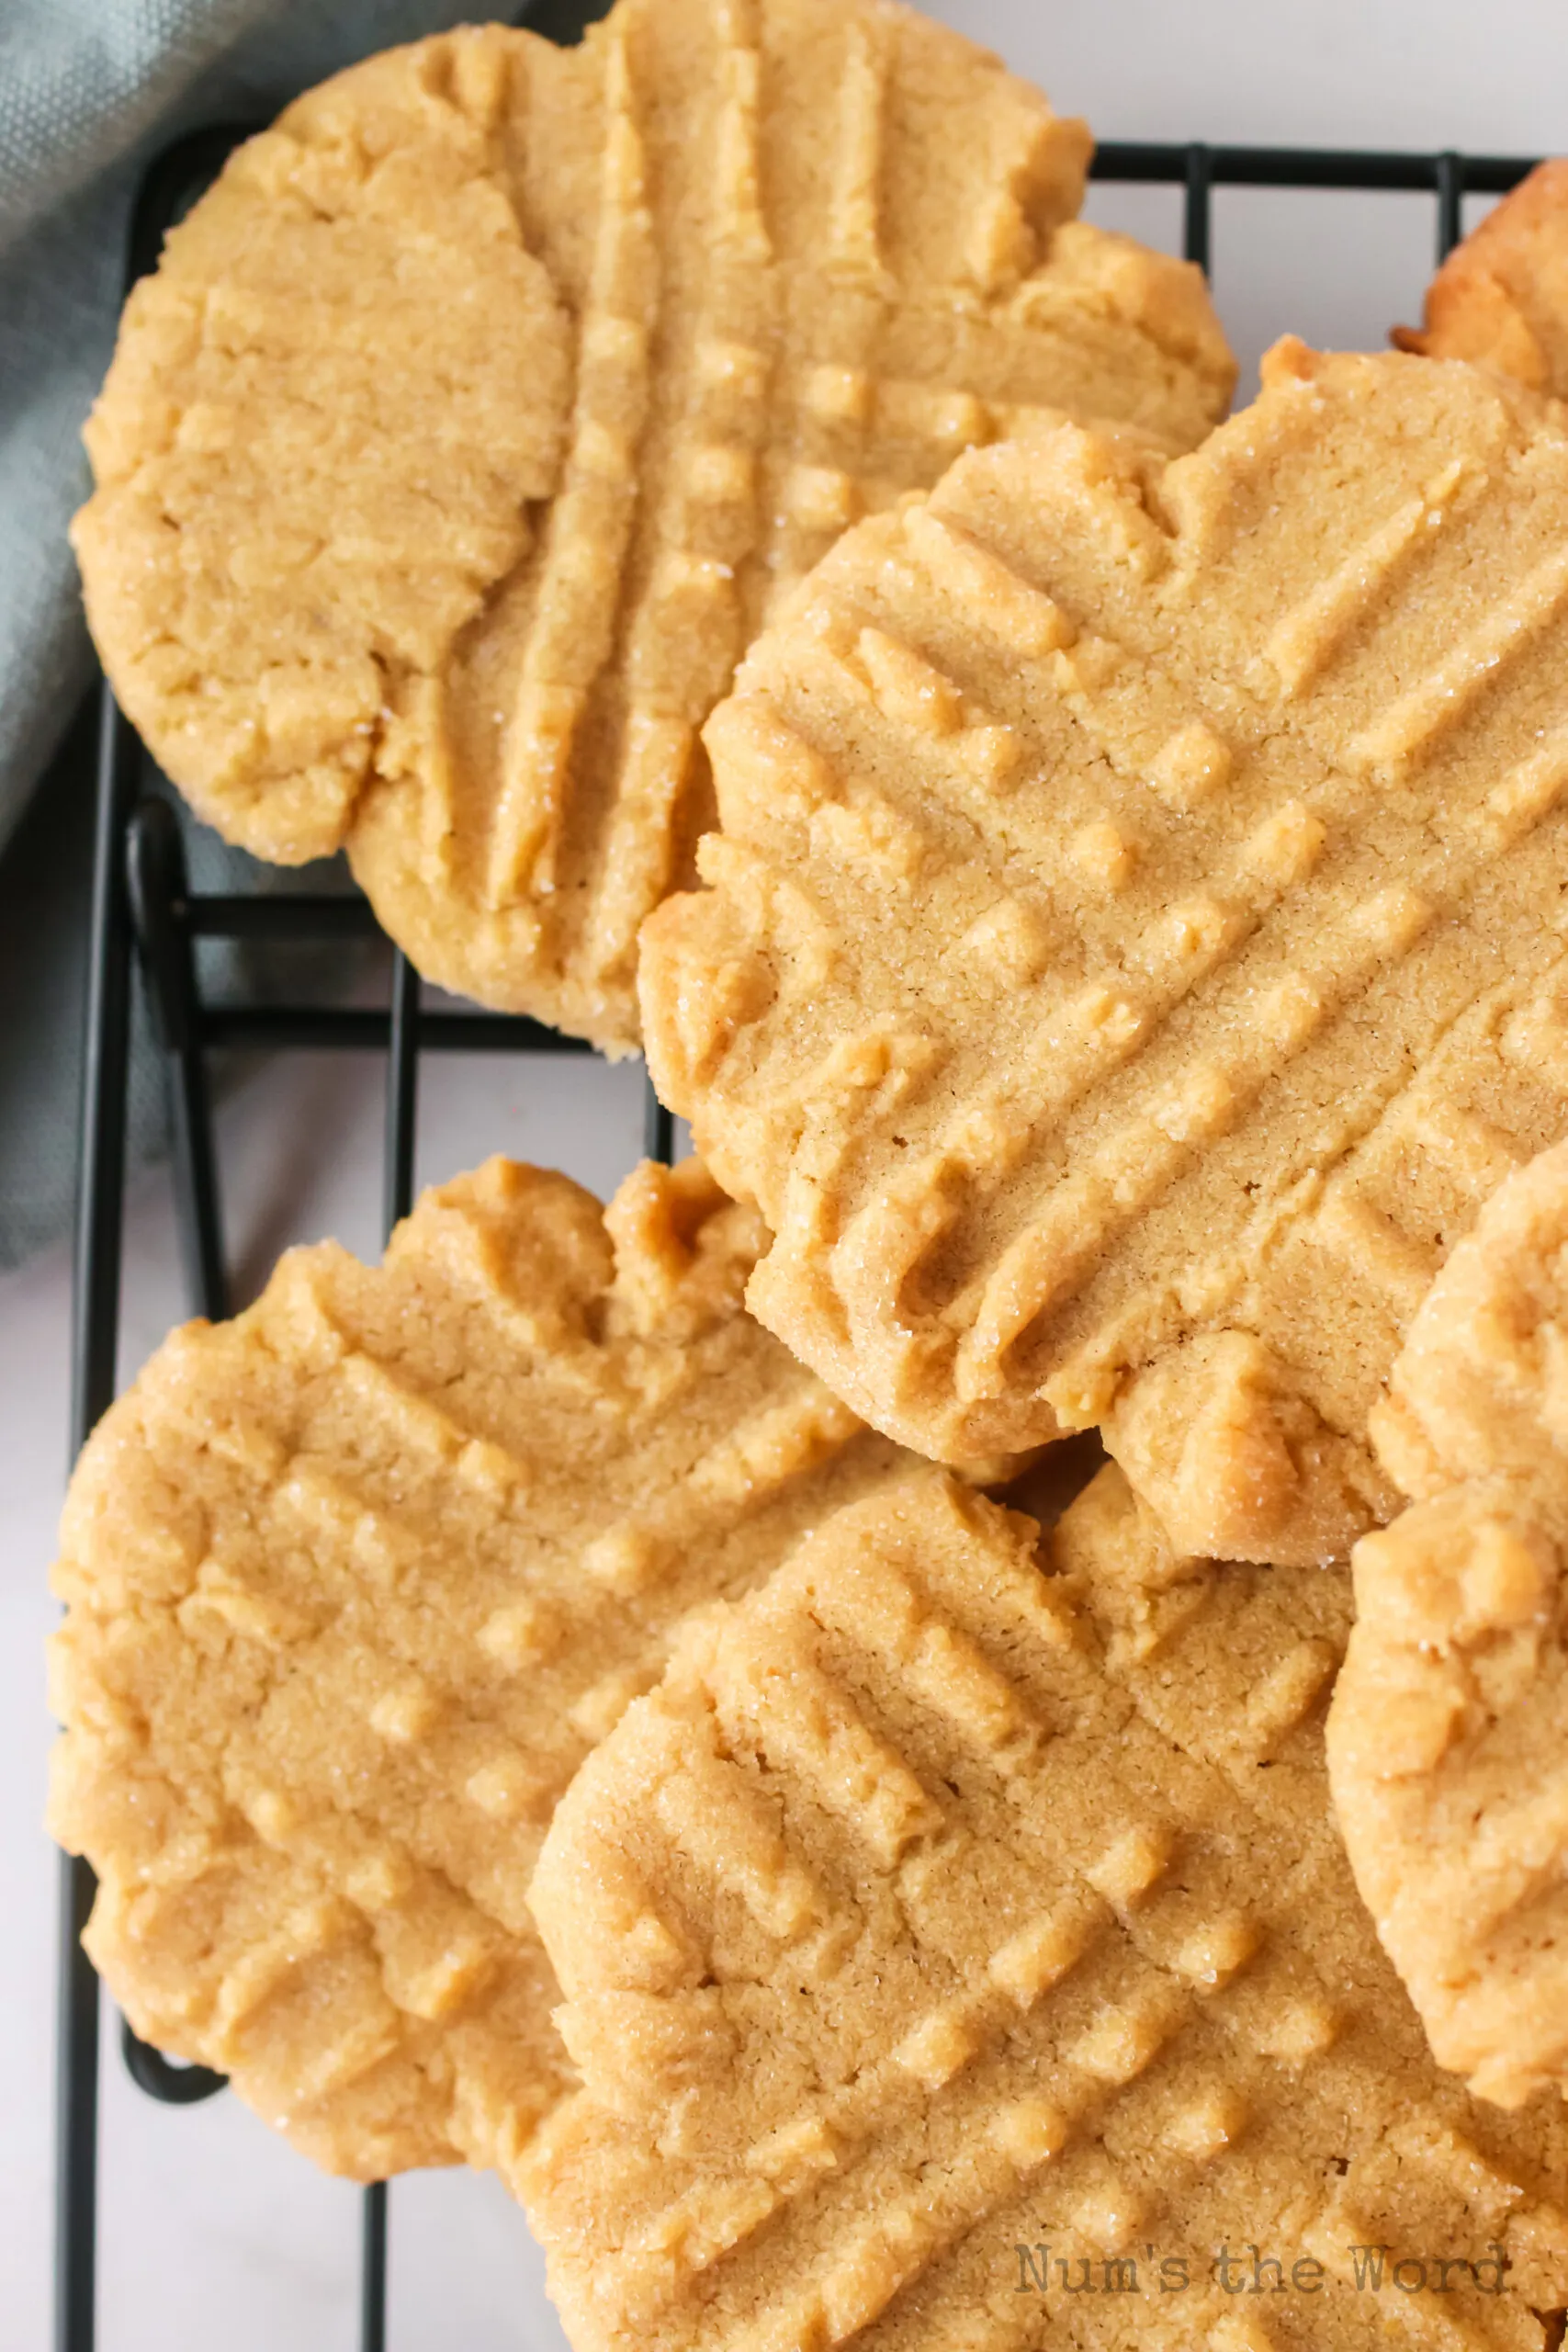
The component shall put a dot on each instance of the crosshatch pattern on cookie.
(934, 1907)
(355, 1581)
(1136, 942)
(1446, 1737)
(741, 271)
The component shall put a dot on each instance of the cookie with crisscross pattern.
(473, 420)
(1135, 944)
(355, 1581)
(958, 1951)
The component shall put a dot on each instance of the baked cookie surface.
(1135, 942)
(962, 1955)
(471, 422)
(353, 1583)
(1501, 298)
(1449, 1736)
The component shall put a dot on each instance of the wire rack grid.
(145, 920)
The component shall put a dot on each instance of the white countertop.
(211, 2230)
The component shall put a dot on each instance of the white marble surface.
(212, 2232)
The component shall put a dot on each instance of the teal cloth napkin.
(89, 91)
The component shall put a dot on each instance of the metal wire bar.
(158, 895)
(657, 1129)
(1450, 202)
(1309, 167)
(402, 1136)
(403, 1094)
(95, 1299)
(372, 2270)
(1196, 209)
(162, 2078)
(281, 915)
(155, 874)
(327, 1028)
(76, 2119)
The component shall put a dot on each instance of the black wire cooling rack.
(145, 920)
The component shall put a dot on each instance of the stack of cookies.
(608, 1694)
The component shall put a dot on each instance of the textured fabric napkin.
(89, 91)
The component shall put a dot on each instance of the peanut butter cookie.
(958, 1951)
(474, 418)
(1136, 942)
(1501, 298)
(1448, 1737)
(355, 1581)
